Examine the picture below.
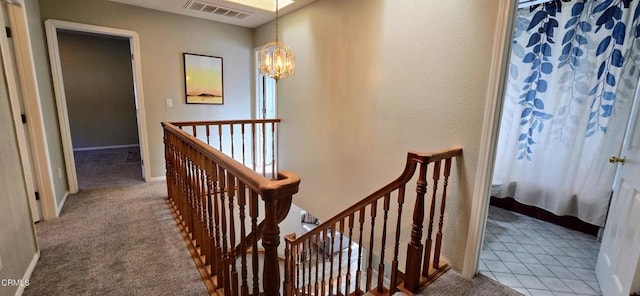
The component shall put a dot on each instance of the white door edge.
(14, 98)
(489, 138)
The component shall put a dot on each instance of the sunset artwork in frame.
(203, 79)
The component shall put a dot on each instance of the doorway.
(98, 84)
(528, 254)
(58, 31)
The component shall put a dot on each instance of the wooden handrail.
(413, 158)
(346, 230)
(225, 122)
(213, 196)
(287, 182)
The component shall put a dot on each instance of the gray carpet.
(452, 283)
(115, 241)
(108, 167)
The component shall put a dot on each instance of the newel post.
(414, 249)
(270, 242)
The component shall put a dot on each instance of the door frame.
(25, 65)
(489, 138)
(51, 28)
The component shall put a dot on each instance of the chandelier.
(276, 59)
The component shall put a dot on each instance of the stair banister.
(208, 189)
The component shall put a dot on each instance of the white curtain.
(573, 74)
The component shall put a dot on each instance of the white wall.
(375, 79)
(47, 100)
(164, 37)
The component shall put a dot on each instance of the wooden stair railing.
(308, 271)
(252, 142)
(209, 193)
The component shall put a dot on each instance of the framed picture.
(203, 79)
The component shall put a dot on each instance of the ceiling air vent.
(215, 9)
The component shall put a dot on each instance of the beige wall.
(98, 82)
(17, 237)
(375, 79)
(47, 100)
(163, 39)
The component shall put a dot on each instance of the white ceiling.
(252, 13)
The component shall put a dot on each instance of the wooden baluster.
(208, 134)
(339, 281)
(414, 249)
(231, 192)
(286, 284)
(189, 189)
(187, 193)
(325, 239)
(274, 162)
(331, 255)
(387, 201)
(222, 182)
(220, 137)
(203, 207)
(318, 242)
(218, 254)
(299, 270)
(210, 196)
(253, 145)
(374, 209)
(309, 251)
(427, 250)
(447, 172)
(359, 271)
(253, 212)
(303, 271)
(195, 131)
(242, 202)
(348, 278)
(264, 150)
(394, 264)
(232, 144)
(244, 157)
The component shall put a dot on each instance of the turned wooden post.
(270, 242)
(414, 249)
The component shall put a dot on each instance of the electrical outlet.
(59, 173)
(169, 102)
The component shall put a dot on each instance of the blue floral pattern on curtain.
(572, 78)
(585, 17)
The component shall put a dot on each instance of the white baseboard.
(64, 199)
(157, 179)
(105, 147)
(28, 272)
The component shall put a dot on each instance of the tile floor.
(535, 257)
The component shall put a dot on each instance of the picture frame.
(203, 79)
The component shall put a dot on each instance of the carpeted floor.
(452, 283)
(114, 241)
(108, 167)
